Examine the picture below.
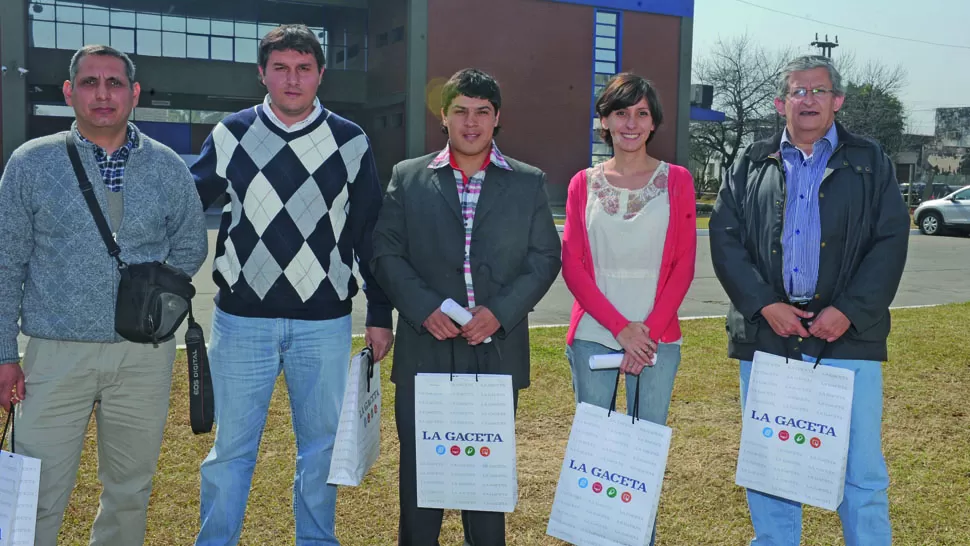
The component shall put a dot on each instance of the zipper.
(784, 194)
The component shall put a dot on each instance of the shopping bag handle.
(8, 424)
(368, 353)
(821, 355)
(635, 414)
(478, 363)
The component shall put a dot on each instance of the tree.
(872, 107)
(745, 78)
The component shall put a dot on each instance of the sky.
(937, 76)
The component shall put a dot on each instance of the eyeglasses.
(817, 92)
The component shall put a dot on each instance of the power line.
(752, 4)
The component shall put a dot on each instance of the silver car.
(948, 213)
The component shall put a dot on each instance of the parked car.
(919, 190)
(952, 212)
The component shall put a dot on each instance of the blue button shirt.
(801, 238)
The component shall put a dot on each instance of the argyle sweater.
(299, 218)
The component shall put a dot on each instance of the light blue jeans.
(596, 386)
(246, 355)
(865, 505)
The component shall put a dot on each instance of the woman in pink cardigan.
(628, 255)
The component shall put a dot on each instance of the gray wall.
(13, 53)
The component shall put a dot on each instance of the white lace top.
(627, 230)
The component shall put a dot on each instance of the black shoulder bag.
(153, 300)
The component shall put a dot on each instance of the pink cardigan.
(676, 266)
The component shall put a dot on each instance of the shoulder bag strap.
(88, 192)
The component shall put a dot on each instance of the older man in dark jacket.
(809, 238)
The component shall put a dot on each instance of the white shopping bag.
(795, 430)
(609, 486)
(358, 441)
(465, 442)
(19, 484)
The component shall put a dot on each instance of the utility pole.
(826, 46)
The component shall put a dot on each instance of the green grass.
(926, 441)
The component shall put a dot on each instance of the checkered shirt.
(113, 166)
(469, 190)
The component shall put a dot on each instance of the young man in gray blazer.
(469, 224)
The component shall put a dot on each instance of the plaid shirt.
(113, 166)
(469, 190)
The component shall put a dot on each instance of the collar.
(317, 111)
(131, 138)
(445, 157)
(832, 136)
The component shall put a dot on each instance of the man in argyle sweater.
(303, 200)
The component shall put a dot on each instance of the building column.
(13, 55)
(683, 91)
(417, 78)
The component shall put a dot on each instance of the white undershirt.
(627, 230)
(317, 110)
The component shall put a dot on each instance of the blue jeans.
(246, 356)
(865, 505)
(596, 386)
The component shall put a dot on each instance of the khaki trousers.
(127, 386)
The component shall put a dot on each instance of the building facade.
(386, 62)
(942, 158)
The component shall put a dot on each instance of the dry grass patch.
(927, 445)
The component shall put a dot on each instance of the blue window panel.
(94, 16)
(246, 50)
(43, 34)
(197, 47)
(123, 39)
(605, 43)
(607, 36)
(173, 44)
(222, 28)
(608, 31)
(67, 14)
(197, 26)
(149, 43)
(221, 48)
(605, 68)
(96, 34)
(607, 55)
(122, 18)
(606, 17)
(69, 36)
(149, 21)
(42, 11)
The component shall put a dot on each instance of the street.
(936, 273)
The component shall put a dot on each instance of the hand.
(631, 366)
(11, 385)
(440, 326)
(830, 324)
(636, 343)
(481, 327)
(379, 340)
(785, 320)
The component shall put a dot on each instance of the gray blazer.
(419, 256)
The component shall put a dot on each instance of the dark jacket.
(419, 249)
(865, 233)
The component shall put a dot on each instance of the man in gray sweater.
(57, 279)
